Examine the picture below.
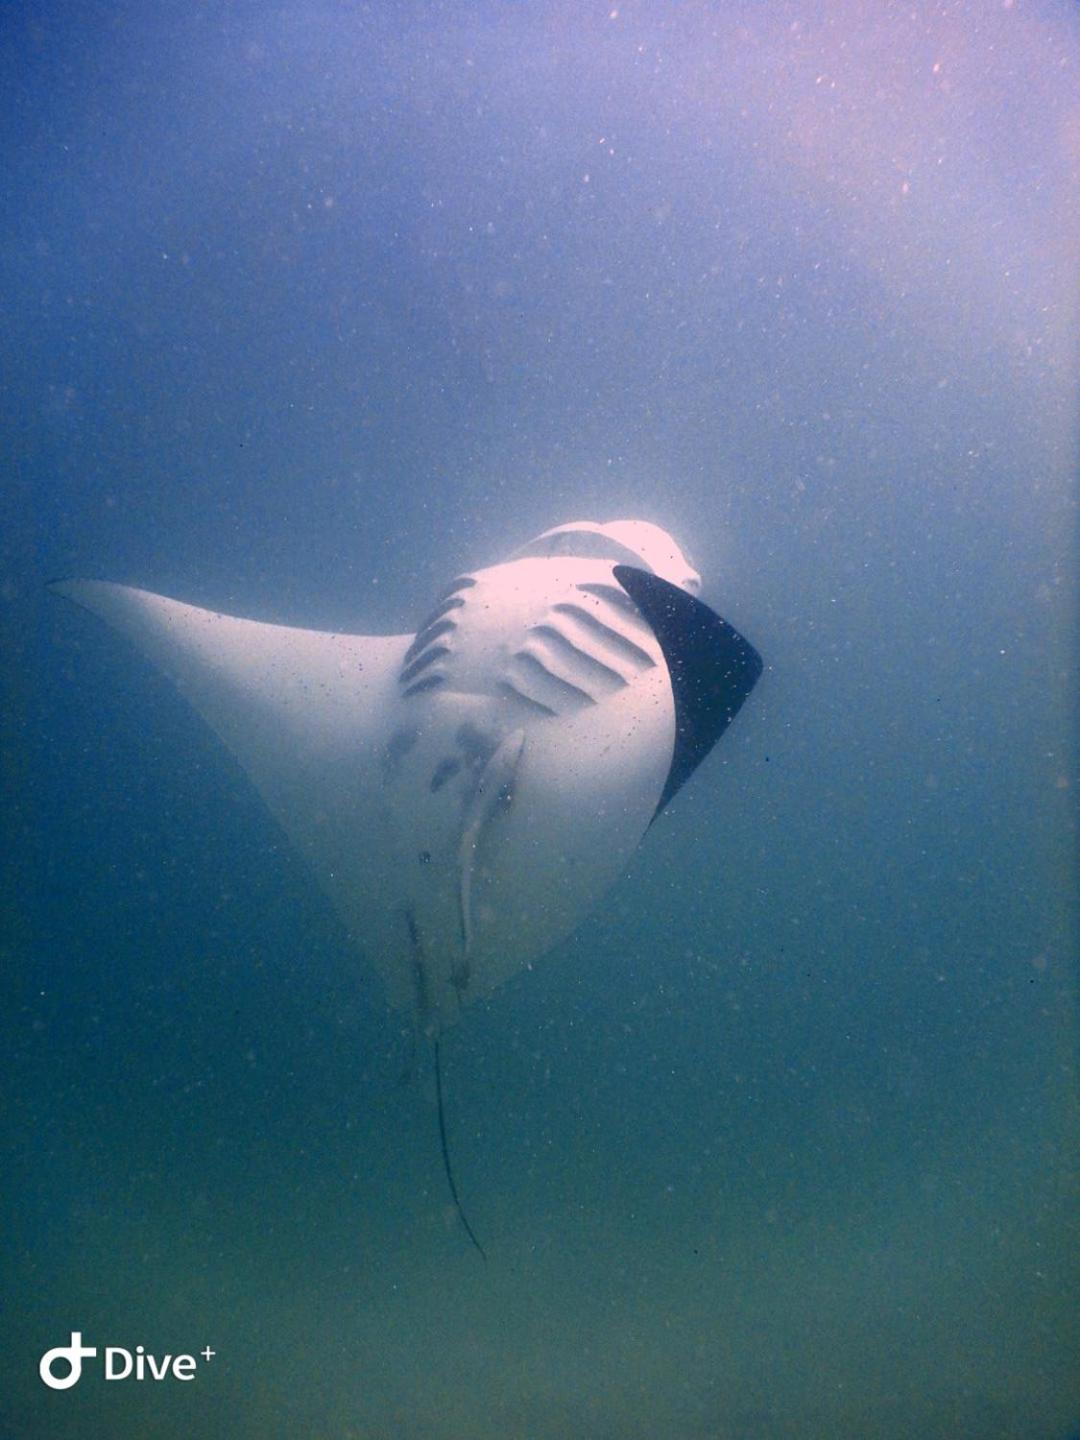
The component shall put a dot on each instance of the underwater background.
(309, 307)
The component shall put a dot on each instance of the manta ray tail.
(446, 1152)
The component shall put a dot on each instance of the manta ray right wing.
(712, 667)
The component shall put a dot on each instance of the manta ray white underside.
(466, 794)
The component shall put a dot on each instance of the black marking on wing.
(712, 667)
(397, 747)
(444, 771)
(476, 744)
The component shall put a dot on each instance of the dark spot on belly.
(397, 747)
(444, 771)
(476, 746)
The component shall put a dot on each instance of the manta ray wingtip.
(82, 592)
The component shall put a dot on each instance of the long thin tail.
(446, 1152)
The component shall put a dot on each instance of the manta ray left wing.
(303, 711)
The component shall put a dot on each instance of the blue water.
(309, 308)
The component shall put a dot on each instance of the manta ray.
(465, 795)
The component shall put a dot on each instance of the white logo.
(119, 1364)
(73, 1355)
